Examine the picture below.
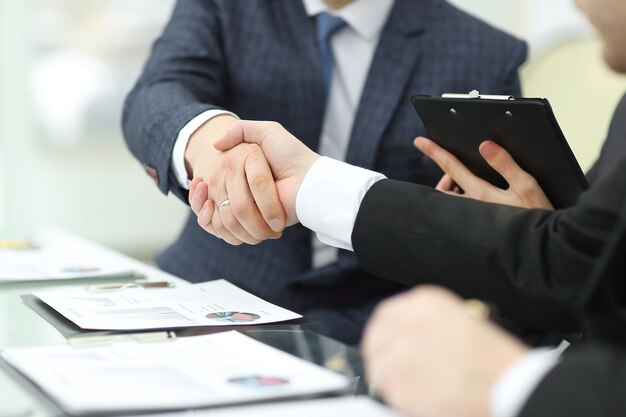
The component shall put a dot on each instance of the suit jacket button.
(152, 172)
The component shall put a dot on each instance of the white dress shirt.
(328, 203)
(353, 49)
(517, 384)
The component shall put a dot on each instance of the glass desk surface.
(21, 326)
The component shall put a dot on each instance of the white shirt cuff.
(513, 389)
(178, 154)
(329, 199)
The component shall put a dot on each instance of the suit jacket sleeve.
(586, 383)
(532, 263)
(183, 78)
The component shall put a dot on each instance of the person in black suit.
(341, 89)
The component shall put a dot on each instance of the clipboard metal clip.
(475, 94)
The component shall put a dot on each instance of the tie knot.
(327, 25)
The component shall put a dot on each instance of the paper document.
(347, 406)
(200, 371)
(213, 303)
(56, 256)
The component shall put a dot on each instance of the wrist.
(200, 144)
(517, 382)
(309, 162)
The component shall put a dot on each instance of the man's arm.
(512, 256)
(183, 79)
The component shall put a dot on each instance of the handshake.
(246, 177)
(247, 174)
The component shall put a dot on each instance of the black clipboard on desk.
(525, 127)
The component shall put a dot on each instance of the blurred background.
(66, 65)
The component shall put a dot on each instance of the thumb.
(239, 132)
(501, 160)
(233, 137)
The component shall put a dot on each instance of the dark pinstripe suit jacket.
(259, 59)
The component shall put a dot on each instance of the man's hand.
(240, 175)
(426, 355)
(288, 158)
(523, 191)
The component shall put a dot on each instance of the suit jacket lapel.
(396, 56)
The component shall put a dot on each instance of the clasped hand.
(245, 186)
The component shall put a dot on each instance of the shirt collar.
(366, 17)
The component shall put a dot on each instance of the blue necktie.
(327, 25)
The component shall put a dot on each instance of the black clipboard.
(525, 127)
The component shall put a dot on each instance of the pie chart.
(233, 317)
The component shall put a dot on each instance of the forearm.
(153, 118)
(413, 234)
(507, 255)
(183, 78)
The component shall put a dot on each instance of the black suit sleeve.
(532, 263)
(183, 78)
(584, 384)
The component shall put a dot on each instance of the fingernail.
(419, 141)
(488, 150)
(276, 225)
(275, 237)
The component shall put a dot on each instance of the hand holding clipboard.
(526, 128)
(523, 190)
